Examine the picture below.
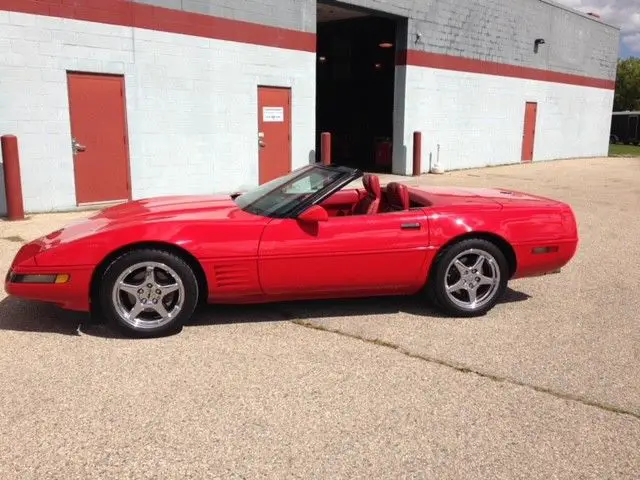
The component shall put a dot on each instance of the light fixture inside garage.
(386, 45)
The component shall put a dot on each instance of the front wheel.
(469, 278)
(148, 292)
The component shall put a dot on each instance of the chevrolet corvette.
(146, 265)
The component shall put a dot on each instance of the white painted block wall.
(191, 104)
(478, 120)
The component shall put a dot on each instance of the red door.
(274, 132)
(99, 138)
(359, 254)
(529, 133)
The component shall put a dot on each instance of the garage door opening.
(356, 60)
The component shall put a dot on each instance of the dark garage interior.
(355, 86)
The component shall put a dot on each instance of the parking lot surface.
(544, 386)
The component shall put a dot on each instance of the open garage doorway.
(355, 76)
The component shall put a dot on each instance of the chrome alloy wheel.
(148, 295)
(472, 279)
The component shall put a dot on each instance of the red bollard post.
(12, 178)
(325, 148)
(417, 153)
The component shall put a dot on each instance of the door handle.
(77, 148)
(410, 226)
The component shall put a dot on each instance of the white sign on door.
(273, 114)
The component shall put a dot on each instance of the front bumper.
(65, 287)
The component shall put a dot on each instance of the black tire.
(442, 273)
(169, 271)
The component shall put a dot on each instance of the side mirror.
(314, 214)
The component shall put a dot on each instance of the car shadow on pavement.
(318, 309)
(26, 316)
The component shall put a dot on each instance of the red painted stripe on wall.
(461, 64)
(131, 14)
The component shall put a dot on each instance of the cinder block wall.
(473, 114)
(191, 100)
(503, 31)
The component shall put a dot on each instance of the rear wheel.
(468, 278)
(148, 293)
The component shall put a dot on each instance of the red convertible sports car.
(145, 265)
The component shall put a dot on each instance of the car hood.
(209, 206)
(194, 208)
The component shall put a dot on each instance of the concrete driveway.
(545, 386)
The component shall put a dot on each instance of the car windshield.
(282, 193)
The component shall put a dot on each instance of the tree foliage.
(627, 96)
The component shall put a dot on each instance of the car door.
(360, 254)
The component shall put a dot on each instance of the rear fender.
(485, 222)
(520, 232)
(447, 224)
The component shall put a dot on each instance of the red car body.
(246, 258)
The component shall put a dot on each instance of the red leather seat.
(370, 204)
(397, 197)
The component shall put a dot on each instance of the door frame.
(523, 155)
(127, 156)
(288, 89)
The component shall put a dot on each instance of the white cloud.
(622, 13)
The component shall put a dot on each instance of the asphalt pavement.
(545, 386)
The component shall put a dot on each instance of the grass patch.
(616, 150)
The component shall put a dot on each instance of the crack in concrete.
(465, 369)
(14, 238)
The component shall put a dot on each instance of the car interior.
(372, 199)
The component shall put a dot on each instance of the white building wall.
(478, 119)
(191, 104)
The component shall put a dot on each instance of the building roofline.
(553, 3)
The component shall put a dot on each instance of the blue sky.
(622, 13)
(625, 52)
